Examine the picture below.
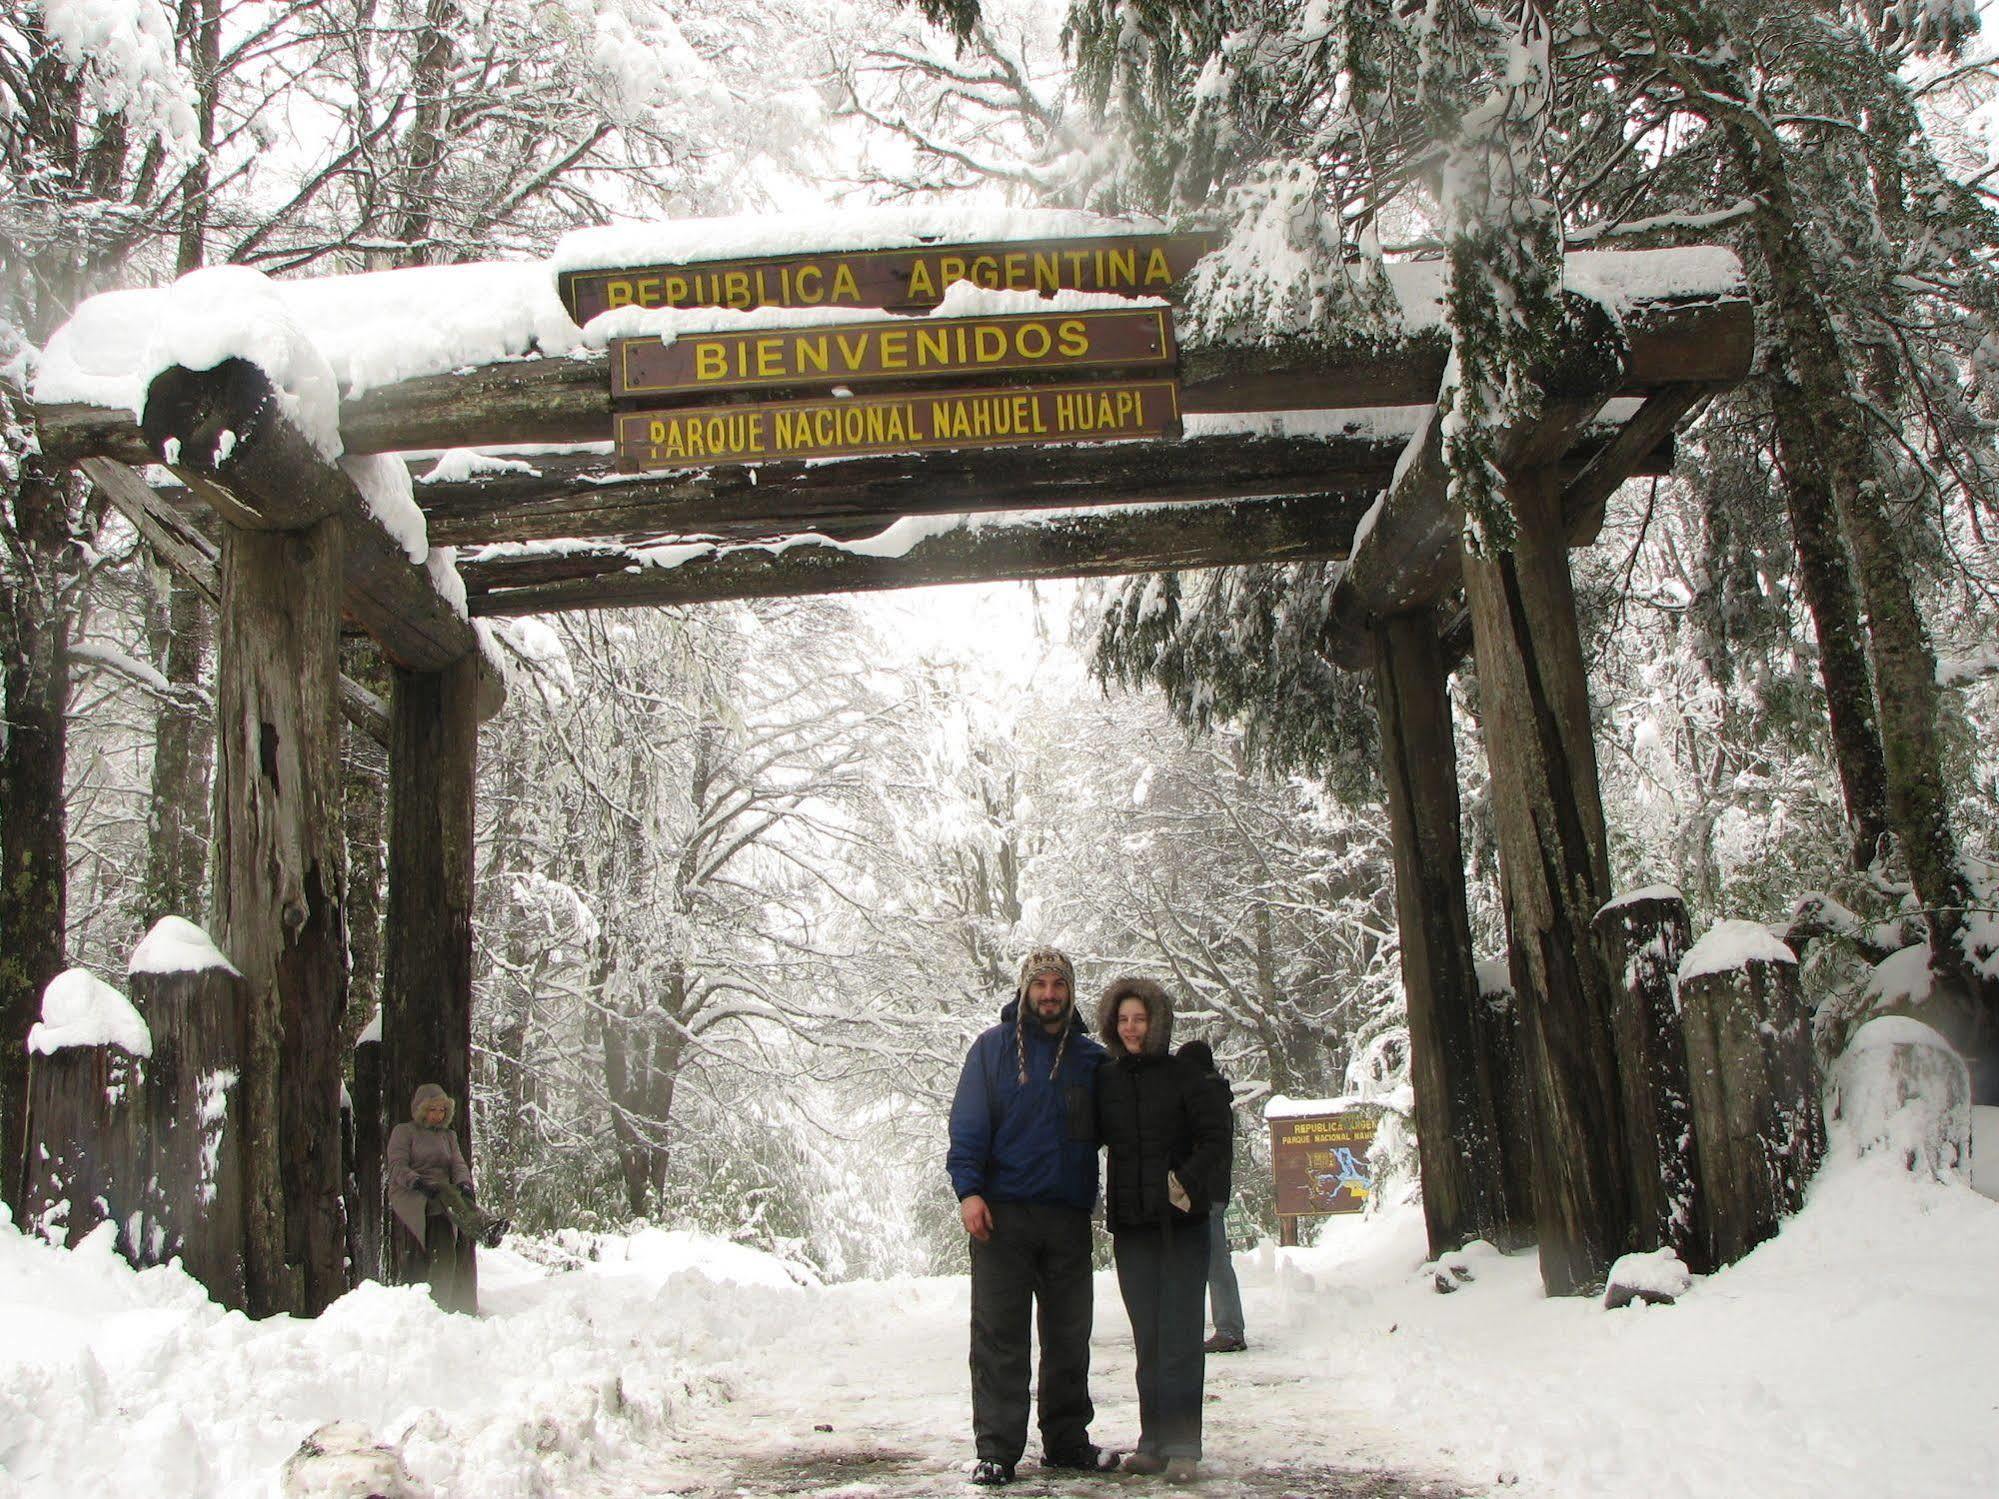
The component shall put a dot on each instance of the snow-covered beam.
(227, 435)
(961, 549)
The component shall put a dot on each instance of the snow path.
(883, 1365)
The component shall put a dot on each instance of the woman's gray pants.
(1224, 1295)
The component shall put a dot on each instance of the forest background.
(751, 876)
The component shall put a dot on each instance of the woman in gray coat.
(430, 1192)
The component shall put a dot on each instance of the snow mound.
(1901, 1089)
(80, 1009)
(176, 945)
(342, 1461)
(1656, 1278)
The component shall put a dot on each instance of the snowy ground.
(1849, 1357)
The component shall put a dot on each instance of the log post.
(1458, 1138)
(1555, 872)
(1757, 1119)
(279, 892)
(427, 954)
(1642, 937)
(87, 1150)
(197, 1007)
(371, 1139)
(1496, 1033)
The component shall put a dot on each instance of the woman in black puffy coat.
(1166, 1126)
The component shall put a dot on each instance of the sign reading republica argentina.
(910, 279)
(906, 422)
(1319, 1162)
(894, 349)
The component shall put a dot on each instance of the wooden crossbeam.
(176, 542)
(581, 496)
(1101, 543)
(232, 444)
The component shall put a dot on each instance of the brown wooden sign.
(894, 349)
(907, 422)
(1320, 1162)
(1130, 265)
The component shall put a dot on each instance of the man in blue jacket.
(1023, 1161)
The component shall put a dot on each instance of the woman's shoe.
(1144, 1462)
(1183, 1470)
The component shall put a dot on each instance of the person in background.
(1167, 1133)
(1023, 1161)
(430, 1192)
(1224, 1295)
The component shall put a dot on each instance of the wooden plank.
(1297, 528)
(1584, 494)
(927, 421)
(894, 350)
(909, 278)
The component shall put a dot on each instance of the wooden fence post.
(1458, 1136)
(1757, 1119)
(1555, 871)
(87, 1149)
(197, 1006)
(1643, 936)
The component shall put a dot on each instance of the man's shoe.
(1183, 1470)
(1144, 1462)
(1223, 1342)
(1087, 1458)
(992, 1473)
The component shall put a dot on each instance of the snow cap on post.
(80, 1009)
(177, 945)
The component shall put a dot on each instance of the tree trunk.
(1806, 343)
(278, 896)
(34, 672)
(1555, 874)
(183, 753)
(427, 959)
(1457, 1128)
(1827, 581)
(88, 1161)
(364, 774)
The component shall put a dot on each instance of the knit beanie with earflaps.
(1042, 960)
(428, 1093)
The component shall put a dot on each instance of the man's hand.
(978, 1217)
(1177, 1194)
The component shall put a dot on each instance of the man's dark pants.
(1037, 1258)
(1163, 1275)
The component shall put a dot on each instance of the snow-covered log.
(370, 1138)
(196, 1004)
(87, 1148)
(1901, 1088)
(1757, 1119)
(1643, 936)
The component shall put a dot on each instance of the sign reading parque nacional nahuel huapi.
(1084, 375)
(1318, 1161)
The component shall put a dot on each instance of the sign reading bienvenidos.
(845, 428)
(895, 349)
(1319, 1162)
(911, 279)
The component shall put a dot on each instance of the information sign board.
(893, 349)
(1132, 265)
(769, 431)
(1320, 1162)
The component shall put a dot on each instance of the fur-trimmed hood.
(428, 1093)
(1158, 1005)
